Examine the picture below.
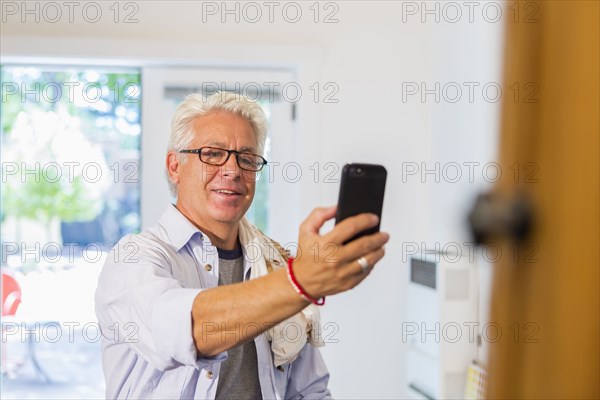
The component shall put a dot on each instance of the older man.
(198, 306)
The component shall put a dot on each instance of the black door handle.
(493, 216)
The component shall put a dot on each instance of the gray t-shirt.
(238, 378)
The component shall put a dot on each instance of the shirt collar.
(178, 228)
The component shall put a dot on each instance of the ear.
(173, 167)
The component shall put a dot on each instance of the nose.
(231, 168)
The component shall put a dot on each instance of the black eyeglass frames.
(217, 156)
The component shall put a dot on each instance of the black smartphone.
(361, 191)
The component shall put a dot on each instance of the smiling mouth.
(227, 192)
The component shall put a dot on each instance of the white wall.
(371, 53)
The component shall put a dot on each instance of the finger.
(316, 219)
(366, 266)
(351, 226)
(357, 274)
(362, 246)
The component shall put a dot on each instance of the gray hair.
(194, 105)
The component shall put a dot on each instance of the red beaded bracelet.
(299, 289)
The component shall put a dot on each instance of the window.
(70, 189)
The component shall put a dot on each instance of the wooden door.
(546, 300)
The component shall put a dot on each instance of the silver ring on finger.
(364, 264)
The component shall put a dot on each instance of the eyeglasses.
(218, 157)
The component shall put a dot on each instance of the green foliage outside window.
(61, 129)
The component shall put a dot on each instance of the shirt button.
(280, 368)
(209, 374)
(208, 267)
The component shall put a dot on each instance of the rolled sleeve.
(172, 328)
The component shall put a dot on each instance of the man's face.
(201, 186)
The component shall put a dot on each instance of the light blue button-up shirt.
(143, 304)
